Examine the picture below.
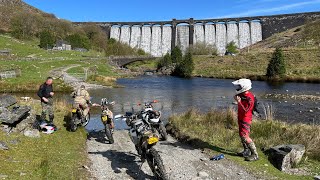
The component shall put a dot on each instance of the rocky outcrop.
(285, 157)
(167, 70)
(11, 115)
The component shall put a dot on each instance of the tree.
(176, 55)
(165, 61)
(276, 67)
(185, 67)
(46, 40)
(96, 35)
(232, 48)
(78, 41)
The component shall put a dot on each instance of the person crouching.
(245, 100)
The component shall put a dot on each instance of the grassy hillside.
(35, 64)
(10, 8)
(301, 51)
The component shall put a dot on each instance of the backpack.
(256, 105)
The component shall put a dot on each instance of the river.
(176, 95)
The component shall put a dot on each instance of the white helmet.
(242, 85)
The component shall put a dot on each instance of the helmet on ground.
(242, 85)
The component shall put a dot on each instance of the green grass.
(300, 63)
(34, 71)
(209, 131)
(143, 65)
(60, 155)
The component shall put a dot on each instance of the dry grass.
(218, 130)
(104, 80)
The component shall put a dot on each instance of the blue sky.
(155, 10)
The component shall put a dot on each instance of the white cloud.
(271, 10)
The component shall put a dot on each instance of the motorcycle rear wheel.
(73, 124)
(109, 133)
(155, 163)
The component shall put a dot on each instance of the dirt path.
(73, 81)
(120, 161)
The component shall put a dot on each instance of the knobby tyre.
(155, 163)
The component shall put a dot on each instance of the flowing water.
(176, 95)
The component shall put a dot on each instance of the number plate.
(74, 110)
(153, 140)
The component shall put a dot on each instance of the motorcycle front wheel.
(163, 132)
(155, 163)
(86, 120)
(73, 124)
(109, 133)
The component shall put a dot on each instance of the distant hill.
(307, 35)
(10, 8)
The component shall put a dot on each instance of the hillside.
(10, 8)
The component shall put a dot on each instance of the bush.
(176, 55)
(78, 41)
(276, 67)
(165, 61)
(232, 48)
(116, 48)
(46, 40)
(185, 67)
(203, 49)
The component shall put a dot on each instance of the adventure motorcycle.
(77, 118)
(144, 139)
(152, 117)
(107, 119)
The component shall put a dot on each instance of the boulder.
(3, 146)
(285, 157)
(10, 115)
(32, 133)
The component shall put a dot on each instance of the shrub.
(46, 40)
(78, 41)
(165, 61)
(176, 55)
(185, 67)
(116, 48)
(231, 47)
(202, 49)
(276, 67)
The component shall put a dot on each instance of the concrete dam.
(158, 38)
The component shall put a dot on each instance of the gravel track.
(120, 161)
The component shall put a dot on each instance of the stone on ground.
(3, 146)
(285, 157)
(32, 133)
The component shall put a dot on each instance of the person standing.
(245, 100)
(46, 95)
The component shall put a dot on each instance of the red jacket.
(245, 107)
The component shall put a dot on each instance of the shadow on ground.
(98, 136)
(122, 161)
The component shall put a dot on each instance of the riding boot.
(254, 154)
(51, 117)
(246, 151)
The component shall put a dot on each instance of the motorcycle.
(107, 119)
(77, 118)
(145, 139)
(153, 118)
